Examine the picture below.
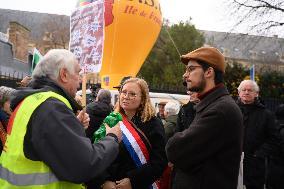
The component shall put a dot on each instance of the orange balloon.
(131, 29)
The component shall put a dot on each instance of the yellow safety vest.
(16, 171)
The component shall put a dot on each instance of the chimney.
(19, 36)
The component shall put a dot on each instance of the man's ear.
(209, 72)
(63, 75)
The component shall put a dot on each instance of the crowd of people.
(47, 137)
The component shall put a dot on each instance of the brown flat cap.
(122, 81)
(210, 55)
(162, 103)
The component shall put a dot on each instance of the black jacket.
(280, 123)
(275, 168)
(97, 111)
(260, 132)
(260, 140)
(208, 153)
(185, 116)
(124, 166)
(56, 137)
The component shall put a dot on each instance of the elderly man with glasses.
(260, 134)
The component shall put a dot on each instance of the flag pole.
(84, 83)
(252, 73)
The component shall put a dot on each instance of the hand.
(123, 184)
(109, 185)
(115, 130)
(171, 165)
(84, 118)
(25, 81)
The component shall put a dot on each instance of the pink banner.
(87, 36)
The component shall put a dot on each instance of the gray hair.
(50, 65)
(172, 108)
(253, 83)
(5, 94)
(104, 96)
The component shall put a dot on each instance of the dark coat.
(260, 139)
(143, 177)
(56, 137)
(275, 168)
(97, 111)
(185, 116)
(4, 118)
(208, 153)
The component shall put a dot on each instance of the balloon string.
(172, 41)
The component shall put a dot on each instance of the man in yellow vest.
(46, 145)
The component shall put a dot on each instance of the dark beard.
(199, 88)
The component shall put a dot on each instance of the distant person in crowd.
(121, 82)
(79, 100)
(47, 146)
(5, 100)
(171, 111)
(118, 88)
(187, 112)
(207, 154)
(5, 112)
(98, 110)
(275, 169)
(161, 112)
(260, 134)
(138, 166)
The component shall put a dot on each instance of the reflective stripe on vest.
(27, 179)
(16, 171)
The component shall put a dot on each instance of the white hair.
(253, 83)
(172, 108)
(104, 95)
(55, 59)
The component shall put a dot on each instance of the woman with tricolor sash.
(142, 157)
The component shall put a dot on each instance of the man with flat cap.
(121, 82)
(208, 153)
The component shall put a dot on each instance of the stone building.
(19, 37)
(266, 53)
(21, 31)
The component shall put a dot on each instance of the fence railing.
(9, 80)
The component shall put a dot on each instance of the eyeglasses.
(248, 90)
(189, 69)
(131, 95)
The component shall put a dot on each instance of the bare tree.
(259, 16)
(56, 32)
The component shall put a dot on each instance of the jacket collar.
(41, 85)
(211, 97)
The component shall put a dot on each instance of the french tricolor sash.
(135, 146)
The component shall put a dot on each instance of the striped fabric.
(135, 146)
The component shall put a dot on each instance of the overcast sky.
(212, 15)
(205, 14)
